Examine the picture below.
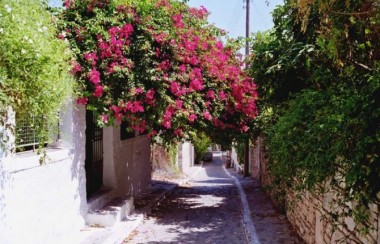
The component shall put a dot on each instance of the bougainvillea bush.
(158, 65)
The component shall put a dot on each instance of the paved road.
(206, 210)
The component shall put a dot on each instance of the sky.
(229, 15)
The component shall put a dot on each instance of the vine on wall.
(318, 76)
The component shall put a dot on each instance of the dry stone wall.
(311, 214)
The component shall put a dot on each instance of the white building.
(87, 170)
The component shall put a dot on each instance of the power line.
(235, 17)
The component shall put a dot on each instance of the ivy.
(318, 78)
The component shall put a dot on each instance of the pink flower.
(178, 132)
(182, 68)
(177, 18)
(115, 109)
(166, 123)
(94, 76)
(222, 96)
(82, 100)
(139, 90)
(68, 3)
(207, 115)
(104, 118)
(192, 117)
(113, 31)
(219, 45)
(165, 65)
(211, 94)
(149, 97)
(91, 58)
(126, 31)
(244, 128)
(61, 36)
(98, 91)
(179, 104)
(197, 84)
(119, 117)
(137, 107)
(152, 134)
(76, 68)
(176, 89)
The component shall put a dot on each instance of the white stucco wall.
(187, 157)
(127, 165)
(44, 204)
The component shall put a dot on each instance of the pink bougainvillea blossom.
(76, 68)
(222, 96)
(192, 117)
(197, 85)
(177, 18)
(91, 58)
(179, 104)
(178, 132)
(211, 94)
(82, 100)
(98, 91)
(206, 115)
(149, 97)
(68, 3)
(94, 76)
(162, 70)
(104, 118)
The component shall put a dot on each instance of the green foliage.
(239, 147)
(172, 151)
(34, 70)
(318, 78)
(201, 142)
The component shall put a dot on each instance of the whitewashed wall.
(127, 165)
(187, 156)
(44, 204)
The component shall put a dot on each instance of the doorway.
(94, 155)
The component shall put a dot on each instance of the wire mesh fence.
(26, 136)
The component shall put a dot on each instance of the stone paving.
(207, 209)
(269, 224)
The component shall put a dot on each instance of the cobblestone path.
(205, 210)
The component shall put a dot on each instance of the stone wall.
(184, 159)
(310, 214)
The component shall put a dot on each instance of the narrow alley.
(208, 209)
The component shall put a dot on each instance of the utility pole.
(246, 141)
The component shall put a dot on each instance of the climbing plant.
(159, 65)
(318, 75)
(34, 68)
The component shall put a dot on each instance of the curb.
(249, 228)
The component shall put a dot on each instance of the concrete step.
(113, 212)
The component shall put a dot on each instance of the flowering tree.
(159, 65)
